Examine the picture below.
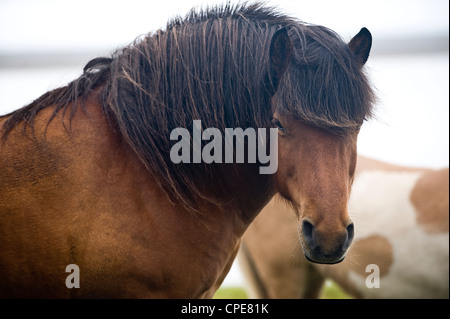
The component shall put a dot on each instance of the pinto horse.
(86, 176)
(402, 217)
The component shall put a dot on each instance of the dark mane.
(211, 66)
(325, 85)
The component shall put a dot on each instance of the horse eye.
(279, 126)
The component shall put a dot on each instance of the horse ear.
(281, 50)
(360, 45)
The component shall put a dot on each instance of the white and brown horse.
(402, 219)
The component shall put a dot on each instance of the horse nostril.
(308, 229)
(350, 235)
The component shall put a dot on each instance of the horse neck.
(250, 191)
(246, 190)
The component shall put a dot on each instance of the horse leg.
(210, 293)
(313, 283)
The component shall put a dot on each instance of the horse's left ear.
(360, 45)
(281, 50)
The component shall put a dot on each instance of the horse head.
(319, 110)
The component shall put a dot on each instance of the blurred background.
(45, 43)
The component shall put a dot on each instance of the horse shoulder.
(76, 191)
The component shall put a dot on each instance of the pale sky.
(43, 25)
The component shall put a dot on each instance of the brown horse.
(87, 177)
(402, 217)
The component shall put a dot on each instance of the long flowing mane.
(213, 66)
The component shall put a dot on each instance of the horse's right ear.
(281, 50)
(360, 45)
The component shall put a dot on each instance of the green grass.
(330, 291)
(231, 293)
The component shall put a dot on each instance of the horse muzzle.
(322, 246)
